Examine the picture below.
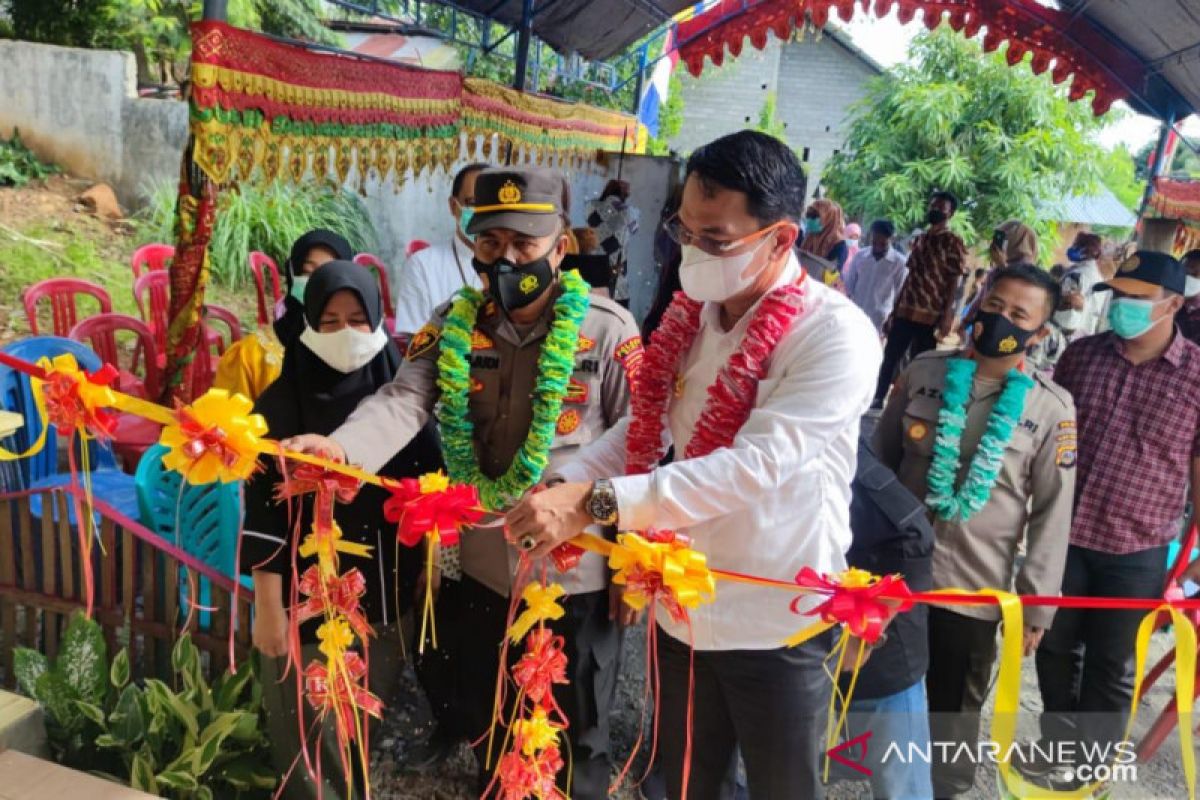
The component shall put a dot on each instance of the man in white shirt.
(1082, 309)
(771, 494)
(876, 274)
(432, 275)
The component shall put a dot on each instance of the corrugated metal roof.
(1102, 208)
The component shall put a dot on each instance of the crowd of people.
(969, 428)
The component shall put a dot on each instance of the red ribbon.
(326, 484)
(417, 514)
(524, 776)
(542, 665)
(566, 556)
(343, 694)
(201, 439)
(862, 609)
(339, 593)
(66, 409)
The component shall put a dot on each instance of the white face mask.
(345, 350)
(715, 279)
(1191, 287)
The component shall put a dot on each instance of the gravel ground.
(408, 724)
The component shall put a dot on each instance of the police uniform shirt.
(504, 368)
(1030, 502)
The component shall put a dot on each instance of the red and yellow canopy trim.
(1175, 199)
(1067, 47)
(272, 109)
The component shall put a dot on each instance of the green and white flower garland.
(943, 499)
(555, 365)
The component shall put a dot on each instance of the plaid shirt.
(1139, 429)
(937, 262)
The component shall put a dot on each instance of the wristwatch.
(601, 504)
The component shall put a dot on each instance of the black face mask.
(936, 216)
(998, 336)
(516, 286)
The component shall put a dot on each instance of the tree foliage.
(1118, 173)
(670, 119)
(1002, 139)
(1185, 164)
(768, 120)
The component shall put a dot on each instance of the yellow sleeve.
(249, 366)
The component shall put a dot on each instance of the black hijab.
(310, 396)
(291, 324)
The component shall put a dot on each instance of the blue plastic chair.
(41, 470)
(202, 521)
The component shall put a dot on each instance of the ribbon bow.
(523, 776)
(75, 399)
(541, 665)
(340, 690)
(541, 603)
(325, 544)
(661, 567)
(566, 556)
(327, 485)
(536, 733)
(430, 505)
(856, 600)
(337, 593)
(215, 438)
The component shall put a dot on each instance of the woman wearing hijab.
(252, 364)
(825, 237)
(341, 355)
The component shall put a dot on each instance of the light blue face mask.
(298, 284)
(464, 219)
(1130, 317)
(812, 225)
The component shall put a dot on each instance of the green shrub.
(263, 217)
(196, 744)
(18, 164)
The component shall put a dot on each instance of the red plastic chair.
(227, 318)
(375, 265)
(134, 434)
(63, 294)
(152, 293)
(151, 257)
(415, 246)
(263, 267)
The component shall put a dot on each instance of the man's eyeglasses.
(679, 234)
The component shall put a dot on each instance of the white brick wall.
(815, 81)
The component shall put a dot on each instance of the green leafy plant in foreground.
(195, 744)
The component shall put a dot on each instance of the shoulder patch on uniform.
(585, 344)
(577, 392)
(423, 340)
(568, 421)
(1065, 454)
(481, 341)
(629, 355)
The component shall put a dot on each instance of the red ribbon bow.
(66, 409)
(542, 665)
(200, 439)
(339, 593)
(344, 694)
(861, 608)
(417, 514)
(566, 556)
(326, 484)
(524, 776)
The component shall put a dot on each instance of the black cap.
(523, 199)
(1145, 271)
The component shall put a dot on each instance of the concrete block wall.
(728, 98)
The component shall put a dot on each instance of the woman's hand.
(315, 445)
(270, 629)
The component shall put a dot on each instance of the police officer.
(1029, 504)
(519, 227)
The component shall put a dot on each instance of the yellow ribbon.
(537, 732)
(240, 433)
(335, 637)
(541, 603)
(327, 544)
(684, 571)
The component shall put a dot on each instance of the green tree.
(1119, 175)
(670, 119)
(73, 23)
(1002, 139)
(1185, 164)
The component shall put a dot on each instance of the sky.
(886, 40)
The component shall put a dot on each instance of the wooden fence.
(136, 595)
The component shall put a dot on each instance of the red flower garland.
(731, 396)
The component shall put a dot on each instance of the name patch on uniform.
(485, 362)
(585, 344)
(481, 341)
(589, 365)
(423, 340)
(568, 421)
(1030, 425)
(577, 392)
(629, 355)
(917, 431)
(929, 391)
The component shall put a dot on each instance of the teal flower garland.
(555, 365)
(961, 505)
